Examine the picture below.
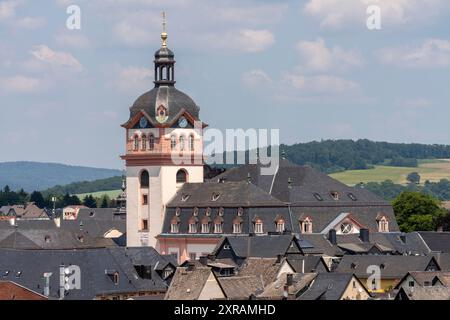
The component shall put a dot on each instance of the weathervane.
(164, 33)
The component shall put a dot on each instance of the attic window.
(318, 197)
(382, 266)
(6, 273)
(81, 238)
(240, 212)
(18, 274)
(167, 273)
(353, 265)
(280, 225)
(259, 226)
(47, 239)
(185, 197)
(208, 212)
(334, 195)
(215, 196)
(195, 212)
(352, 197)
(91, 214)
(221, 210)
(177, 212)
(346, 228)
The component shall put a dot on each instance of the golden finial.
(164, 33)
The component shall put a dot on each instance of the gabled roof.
(275, 290)
(267, 269)
(427, 276)
(424, 293)
(343, 216)
(188, 284)
(328, 286)
(436, 241)
(392, 267)
(307, 264)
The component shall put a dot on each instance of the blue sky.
(310, 68)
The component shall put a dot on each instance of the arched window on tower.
(151, 142)
(145, 179)
(181, 176)
(191, 142)
(136, 143)
(144, 142)
(173, 142)
(181, 143)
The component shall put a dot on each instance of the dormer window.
(240, 212)
(318, 197)
(237, 227)
(280, 225)
(346, 228)
(352, 197)
(195, 212)
(205, 227)
(221, 211)
(208, 212)
(335, 195)
(47, 239)
(306, 225)
(383, 225)
(177, 212)
(215, 196)
(218, 227)
(259, 227)
(192, 227)
(174, 226)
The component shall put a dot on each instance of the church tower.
(164, 150)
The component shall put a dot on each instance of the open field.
(111, 194)
(433, 170)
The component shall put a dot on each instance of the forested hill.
(338, 155)
(113, 183)
(38, 176)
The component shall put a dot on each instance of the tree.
(105, 202)
(413, 177)
(418, 212)
(89, 201)
(38, 199)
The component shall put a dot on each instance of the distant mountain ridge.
(39, 176)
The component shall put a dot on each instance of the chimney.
(203, 260)
(47, 276)
(190, 266)
(289, 279)
(364, 235)
(332, 237)
(279, 258)
(57, 222)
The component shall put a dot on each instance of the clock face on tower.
(143, 122)
(183, 123)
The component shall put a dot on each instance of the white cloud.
(335, 14)
(256, 79)
(46, 59)
(244, 40)
(319, 83)
(134, 79)
(414, 103)
(318, 57)
(8, 16)
(433, 53)
(20, 84)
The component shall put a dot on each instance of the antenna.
(164, 33)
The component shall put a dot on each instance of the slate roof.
(392, 266)
(436, 241)
(426, 276)
(240, 287)
(307, 264)
(275, 290)
(268, 246)
(424, 293)
(266, 269)
(93, 264)
(327, 286)
(168, 96)
(188, 285)
(306, 182)
(86, 232)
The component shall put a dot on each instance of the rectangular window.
(258, 227)
(192, 228)
(144, 224)
(174, 228)
(280, 227)
(411, 284)
(192, 256)
(237, 228)
(218, 228)
(205, 228)
(145, 199)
